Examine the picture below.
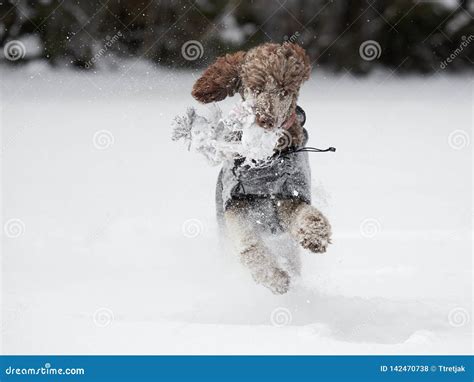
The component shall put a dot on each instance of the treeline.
(356, 35)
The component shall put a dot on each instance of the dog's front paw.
(275, 279)
(264, 271)
(316, 244)
(278, 281)
(314, 232)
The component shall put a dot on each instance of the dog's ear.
(219, 80)
(299, 53)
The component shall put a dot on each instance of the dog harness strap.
(314, 150)
(290, 121)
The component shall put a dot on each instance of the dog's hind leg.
(307, 225)
(253, 253)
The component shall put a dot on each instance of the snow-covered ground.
(110, 243)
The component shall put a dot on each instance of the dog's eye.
(283, 93)
(257, 91)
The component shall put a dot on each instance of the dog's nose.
(265, 121)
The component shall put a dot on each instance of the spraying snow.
(235, 136)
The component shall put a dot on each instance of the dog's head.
(270, 75)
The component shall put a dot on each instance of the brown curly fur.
(271, 74)
(220, 80)
(287, 64)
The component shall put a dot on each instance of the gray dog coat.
(286, 175)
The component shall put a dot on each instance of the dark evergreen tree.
(410, 35)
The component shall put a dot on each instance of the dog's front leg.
(307, 225)
(253, 253)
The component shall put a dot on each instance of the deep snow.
(117, 250)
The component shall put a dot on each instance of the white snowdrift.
(119, 251)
